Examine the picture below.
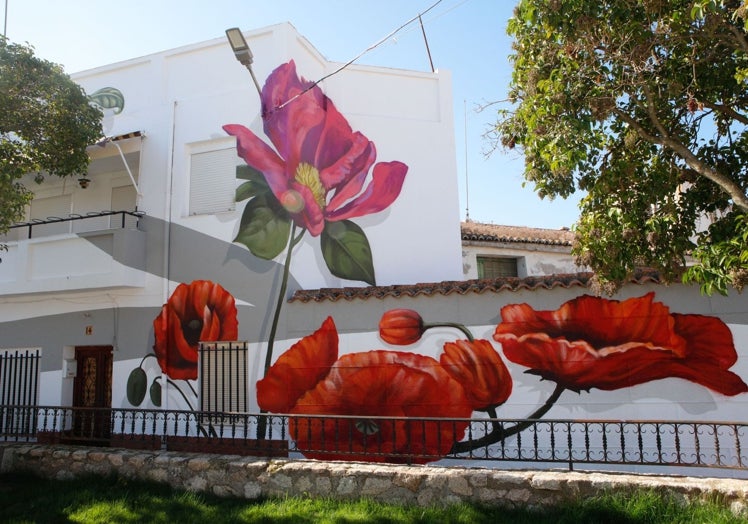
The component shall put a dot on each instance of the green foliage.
(643, 105)
(346, 251)
(137, 383)
(46, 123)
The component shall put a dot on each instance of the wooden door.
(92, 392)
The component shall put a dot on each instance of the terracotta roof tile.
(496, 233)
(461, 287)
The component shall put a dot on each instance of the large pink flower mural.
(592, 342)
(309, 379)
(319, 168)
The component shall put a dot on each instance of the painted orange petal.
(600, 322)
(479, 368)
(711, 352)
(299, 369)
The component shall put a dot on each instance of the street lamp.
(242, 52)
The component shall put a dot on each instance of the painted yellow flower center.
(307, 175)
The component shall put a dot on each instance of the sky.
(466, 37)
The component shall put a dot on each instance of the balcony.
(110, 257)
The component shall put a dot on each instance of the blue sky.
(467, 37)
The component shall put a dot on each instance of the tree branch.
(733, 190)
(727, 110)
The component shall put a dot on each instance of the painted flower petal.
(257, 154)
(384, 188)
(594, 342)
(299, 369)
(295, 128)
(347, 174)
(199, 311)
(479, 368)
(382, 384)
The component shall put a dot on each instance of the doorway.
(92, 393)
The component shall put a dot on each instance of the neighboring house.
(492, 250)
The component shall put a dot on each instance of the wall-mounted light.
(242, 52)
(83, 182)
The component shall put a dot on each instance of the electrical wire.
(351, 61)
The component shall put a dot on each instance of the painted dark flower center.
(367, 427)
(192, 330)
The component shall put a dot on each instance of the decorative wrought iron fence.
(700, 444)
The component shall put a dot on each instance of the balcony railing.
(117, 219)
(78, 252)
(572, 443)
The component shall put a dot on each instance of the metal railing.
(700, 444)
(75, 217)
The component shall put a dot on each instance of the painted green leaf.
(155, 392)
(265, 227)
(346, 251)
(136, 385)
(249, 189)
(109, 98)
(245, 172)
(255, 183)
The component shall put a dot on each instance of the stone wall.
(251, 478)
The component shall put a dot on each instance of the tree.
(46, 123)
(643, 105)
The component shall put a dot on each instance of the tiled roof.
(461, 287)
(532, 235)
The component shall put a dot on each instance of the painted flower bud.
(401, 327)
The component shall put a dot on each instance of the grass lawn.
(24, 498)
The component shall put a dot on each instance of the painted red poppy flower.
(479, 368)
(381, 384)
(200, 311)
(361, 387)
(401, 327)
(320, 167)
(609, 344)
(299, 369)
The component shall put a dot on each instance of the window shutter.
(495, 267)
(212, 181)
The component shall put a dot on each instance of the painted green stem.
(281, 296)
(455, 325)
(499, 433)
(294, 240)
(172, 383)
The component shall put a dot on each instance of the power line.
(351, 61)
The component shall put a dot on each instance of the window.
(212, 181)
(495, 267)
(223, 378)
(19, 382)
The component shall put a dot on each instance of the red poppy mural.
(592, 342)
(196, 312)
(309, 379)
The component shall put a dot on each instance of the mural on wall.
(589, 342)
(196, 312)
(319, 175)
(316, 177)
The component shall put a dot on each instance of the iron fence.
(700, 444)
